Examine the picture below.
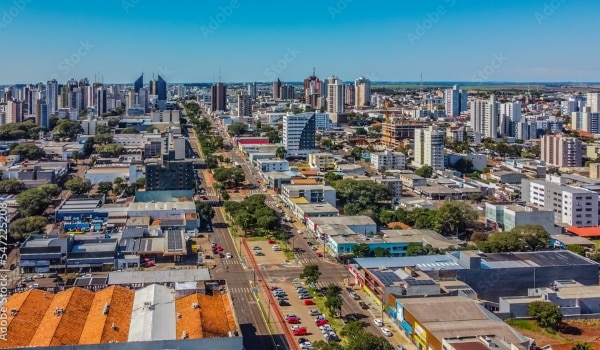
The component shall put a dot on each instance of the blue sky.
(445, 40)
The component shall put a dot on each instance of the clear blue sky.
(446, 40)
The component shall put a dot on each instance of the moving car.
(228, 256)
(378, 322)
(319, 254)
(386, 332)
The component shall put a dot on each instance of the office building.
(244, 106)
(276, 89)
(349, 94)
(252, 90)
(561, 151)
(218, 97)
(101, 105)
(172, 171)
(335, 95)
(362, 92)
(52, 96)
(455, 101)
(571, 205)
(42, 115)
(388, 160)
(593, 102)
(586, 121)
(160, 91)
(138, 84)
(484, 117)
(14, 112)
(312, 90)
(299, 132)
(429, 148)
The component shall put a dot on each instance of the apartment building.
(388, 160)
(571, 205)
(321, 161)
(561, 151)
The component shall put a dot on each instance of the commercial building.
(504, 217)
(484, 117)
(268, 165)
(312, 193)
(561, 151)
(146, 318)
(455, 101)
(335, 95)
(362, 92)
(412, 180)
(244, 106)
(388, 160)
(429, 148)
(321, 161)
(572, 206)
(507, 177)
(299, 132)
(396, 131)
(218, 97)
(172, 171)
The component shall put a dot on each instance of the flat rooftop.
(158, 276)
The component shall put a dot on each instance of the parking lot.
(266, 255)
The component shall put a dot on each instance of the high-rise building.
(74, 99)
(138, 84)
(52, 96)
(286, 92)
(561, 151)
(484, 117)
(510, 115)
(586, 121)
(172, 171)
(335, 95)
(362, 91)
(244, 105)
(455, 101)
(429, 148)
(14, 112)
(299, 134)
(276, 89)
(101, 104)
(252, 90)
(349, 94)
(593, 101)
(161, 93)
(312, 90)
(44, 115)
(218, 97)
(33, 96)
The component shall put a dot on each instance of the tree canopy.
(237, 128)
(311, 274)
(28, 151)
(231, 176)
(425, 171)
(360, 339)
(32, 202)
(357, 196)
(11, 186)
(546, 314)
(252, 213)
(67, 130)
(78, 185)
(22, 228)
(519, 239)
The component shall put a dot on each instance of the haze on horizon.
(445, 40)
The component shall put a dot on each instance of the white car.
(314, 312)
(378, 322)
(386, 332)
(228, 256)
(306, 346)
(276, 248)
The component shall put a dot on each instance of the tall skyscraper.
(335, 95)
(593, 102)
(586, 121)
(362, 91)
(44, 115)
(244, 105)
(101, 104)
(299, 134)
(252, 90)
(429, 148)
(312, 90)
(52, 96)
(561, 151)
(276, 89)
(509, 116)
(218, 97)
(484, 117)
(286, 92)
(349, 94)
(138, 84)
(14, 112)
(455, 101)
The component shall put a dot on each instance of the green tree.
(32, 202)
(361, 250)
(273, 136)
(415, 249)
(103, 139)
(110, 150)
(381, 252)
(425, 171)
(67, 129)
(102, 129)
(577, 249)
(130, 130)
(311, 274)
(281, 152)
(333, 304)
(361, 132)
(237, 128)
(323, 345)
(20, 229)
(28, 151)
(211, 162)
(51, 190)
(546, 314)
(357, 196)
(356, 152)
(75, 156)
(454, 217)
(105, 187)
(11, 186)
(595, 255)
(78, 185)
(582, 346)
(205, 211)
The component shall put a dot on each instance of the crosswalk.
(309, 261)
(251, 192)
(271, 203)
(230, 261)
(240, 290)
(327, 284)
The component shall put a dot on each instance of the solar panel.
(386, 277)
(175, 242)
(464, 286)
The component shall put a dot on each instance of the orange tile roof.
(309, 172)
(191, 216)
(98, 326)
(300, 181)
(64, 329)
(393, 225)
(190, 320)
(31, 306)
(215, 322)
(585, 231)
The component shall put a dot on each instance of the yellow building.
(321, 161)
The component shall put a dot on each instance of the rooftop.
(158, 276)
(585, 231)
(153, 315)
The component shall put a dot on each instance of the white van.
(276, 248)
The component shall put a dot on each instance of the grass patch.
(334, 322)
(521, 324)
(262, 311)
(258, 238)
(597, 243)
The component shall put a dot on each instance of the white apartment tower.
(593, 101)
(429, 148)
(52, 96)
(335, 95)
(484, 117)
(362, 92)
(299, 134)
(455, 101)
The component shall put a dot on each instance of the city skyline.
(233, 41)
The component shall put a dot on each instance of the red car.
(319, 254)
(272, 241)
(321, 322)
(299, 331)
(274, 287)
(219, 248)
(293, 320)
(309, 302)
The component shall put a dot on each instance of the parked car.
(275, 288)
(313, 312)
(321, 322)
(299, 331)
(301, 290)
(302, 340)
(319, 254)
(304, 296)
(386, 332)
(272, 241)
(378, 322)
(259, 253)
(276, 248)
(291, 316)
(309, 302)
(363, 305)
(228, 256)
(306, 346)
(293, 320)
(256, 248)
(283, 303)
